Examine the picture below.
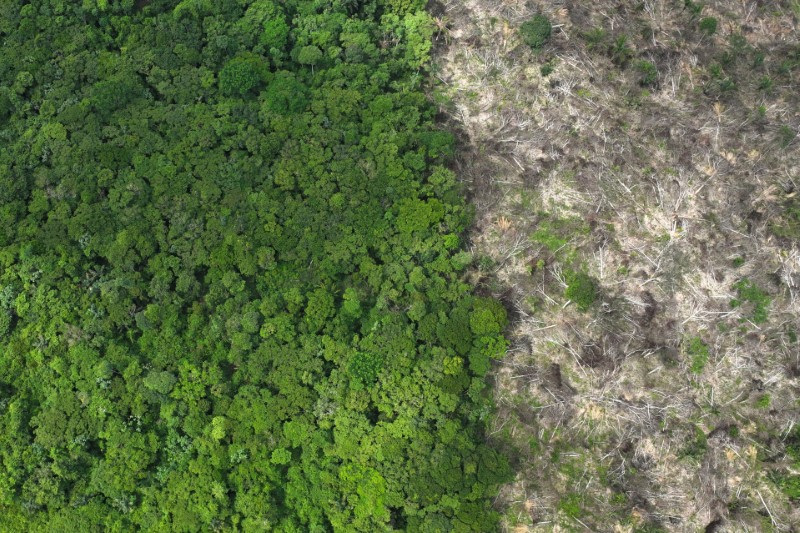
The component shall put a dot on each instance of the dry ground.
(671, 401)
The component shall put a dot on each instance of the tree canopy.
(231, 292)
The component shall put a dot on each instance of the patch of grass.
(536, 32)
(737, 262)
(697, 350)
(750, 293)
(545, 235)
(546, 69)
(581, 289)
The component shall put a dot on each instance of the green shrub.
(621, 53)
(536, 32)
(581, 289)
(696, 448)
(708, 25)
(785, 136)
(648, 72)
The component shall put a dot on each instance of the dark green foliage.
(788, 482)
(6, 106)
(621, 53)
(364, 368)
(697, 446)
(536, 31)
(695, 8)
(285, 94)
(648, 73)
(708, 25)
(241, 75)
(581, 289)
(231, 292)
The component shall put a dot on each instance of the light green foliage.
(230, 274)
(570, 505)
(159, 381)
(417, 215)
(536, 31)
(556, 233)
(488, 317)
(309, 55)
(763, 401)
(281, 456)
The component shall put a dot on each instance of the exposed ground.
(638, 211)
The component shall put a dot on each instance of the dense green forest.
(231, 274)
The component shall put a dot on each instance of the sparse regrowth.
(753, 295)
(697, 350)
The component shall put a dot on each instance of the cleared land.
(637, 208)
